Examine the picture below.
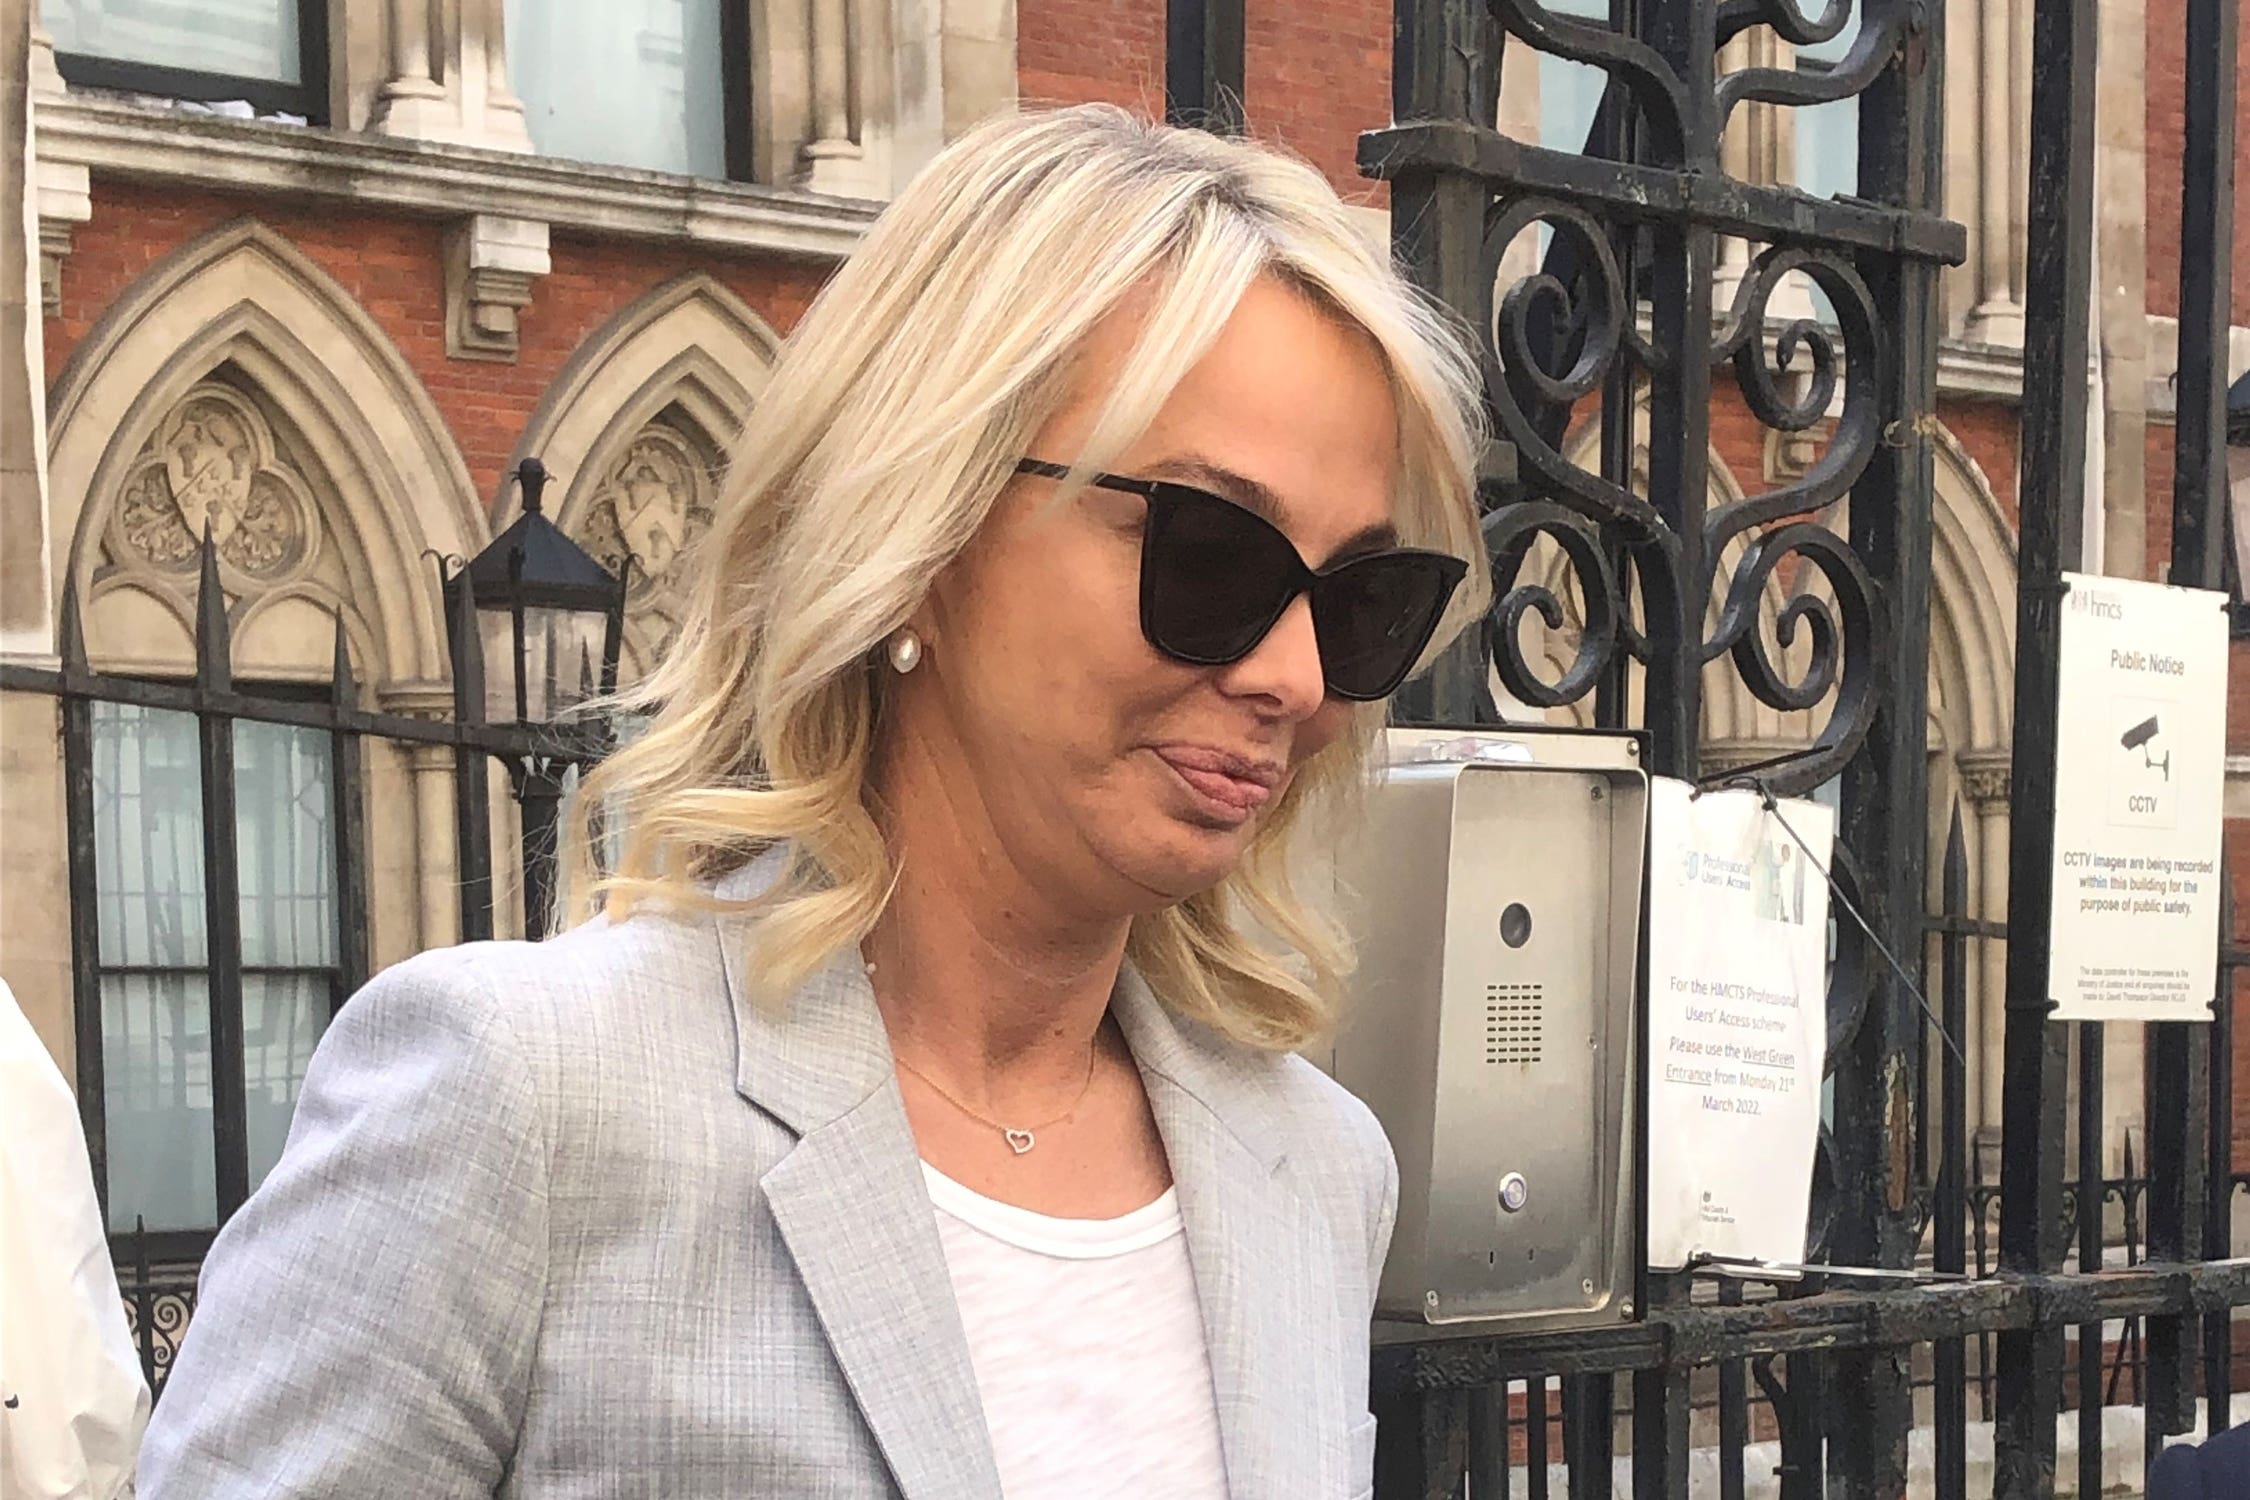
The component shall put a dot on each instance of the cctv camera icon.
(2138, 737)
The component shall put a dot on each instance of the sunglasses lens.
(1214, 578)
(1374, 616)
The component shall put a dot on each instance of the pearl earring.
(906, 651)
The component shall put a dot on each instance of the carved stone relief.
(654, 502)
(212, 465)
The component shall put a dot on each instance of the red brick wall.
(1076, 51)
(1315, 72)
(1989, 432)
(2166, 52)
(392, 268)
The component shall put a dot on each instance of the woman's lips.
(1232, 786)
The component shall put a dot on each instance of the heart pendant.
(1019, 1141)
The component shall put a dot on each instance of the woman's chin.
(1187, 861)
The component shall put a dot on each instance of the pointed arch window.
(195, 1105)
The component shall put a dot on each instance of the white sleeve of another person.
(72, 1400)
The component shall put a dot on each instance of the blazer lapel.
(1263, 1277)
(852, 1207)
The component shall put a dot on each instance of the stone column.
(1998, 315)
(63, 190)
(832, 155)
(26, 578)
(481, 64)
(46, 79)
(1984, 783)
(2019, 13)
(2121, 294)
(439, 914)
(449, 83)
(412, 95)
(1959, 285)
(1731, 257)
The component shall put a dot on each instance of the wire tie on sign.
(1773, 808)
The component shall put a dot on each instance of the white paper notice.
(2140, 782)
(1738, 959)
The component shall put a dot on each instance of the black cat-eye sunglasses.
(1215, 577)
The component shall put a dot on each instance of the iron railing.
(1617, 328)
(536, 757)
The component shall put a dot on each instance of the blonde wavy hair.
(895, 416)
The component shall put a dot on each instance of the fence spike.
(468, 650)
(71, 629)
(214, 666)
(613, 629)
(343, 689)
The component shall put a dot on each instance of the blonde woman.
(918, 1117)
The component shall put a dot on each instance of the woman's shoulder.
(545, 1003)
(598, 960)
(1333, 1147)
(1323, 1116)
(1329, 1140)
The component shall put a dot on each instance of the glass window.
(252, 39)
(1828, 134)
(1570, 93)
(628, 83)
(155, 968)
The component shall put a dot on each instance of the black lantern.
(535, 625)
(548, 616)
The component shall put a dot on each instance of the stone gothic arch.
(637, 430)
(237, 387)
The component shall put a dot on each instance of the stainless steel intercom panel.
(1494, 896)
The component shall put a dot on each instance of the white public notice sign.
(2140, 772)
(1738, 961)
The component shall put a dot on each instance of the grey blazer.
(576, 1218)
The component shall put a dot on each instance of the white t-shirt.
(1088, 1348)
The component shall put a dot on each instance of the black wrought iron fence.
(1533, 1420)
(211, 1049)
(1612, 326)
(159, 1305)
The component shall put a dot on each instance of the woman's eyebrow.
(1221, 480)
(1260, 500)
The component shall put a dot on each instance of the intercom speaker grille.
(1514, 1022)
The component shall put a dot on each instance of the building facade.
(311, 276)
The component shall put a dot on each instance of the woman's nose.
(1283, 668)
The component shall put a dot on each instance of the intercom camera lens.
(1515, 925)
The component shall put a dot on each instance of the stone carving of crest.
(212, 466)
(655, 501)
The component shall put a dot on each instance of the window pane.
(285, 846)
(1570, 93)
(1828, 134)
(283, 1016)
(239, 38)
(148, 837)
(1828, 148)
(630, 83)
(156, 1045)
(156, 1095)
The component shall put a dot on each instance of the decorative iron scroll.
(1811, 591)
(157, 1313)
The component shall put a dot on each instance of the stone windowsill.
(118, 139)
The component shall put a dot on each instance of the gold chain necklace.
(1020, 1138)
